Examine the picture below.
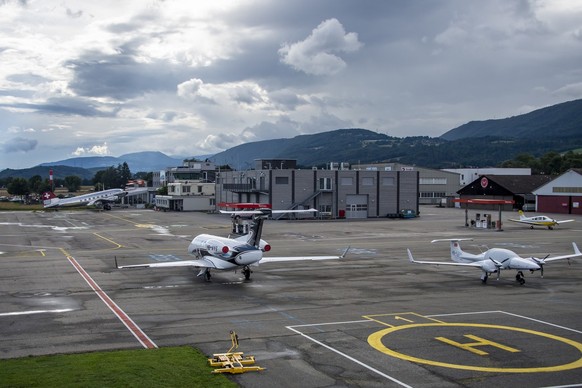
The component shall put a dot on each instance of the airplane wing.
(564, 221)
(522, 221)
(201, 263)
(576, 253)
(302, 258)
(264, 211)
(412, 260)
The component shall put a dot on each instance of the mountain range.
(477, 143)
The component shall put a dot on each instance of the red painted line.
(123, 317)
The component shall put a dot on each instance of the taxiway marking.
(123, 317)
(375, 340)
(15, 313)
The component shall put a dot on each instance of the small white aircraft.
(101, 199)
(494, 260)
(538, 221)
(225, 253)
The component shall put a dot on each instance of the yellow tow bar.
(233, 362)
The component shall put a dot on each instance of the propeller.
(541, 263)
(498, 265)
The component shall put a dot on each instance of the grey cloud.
(19, 144)
(67, 106)
(318, 53)
(30, 79)
(121, 77)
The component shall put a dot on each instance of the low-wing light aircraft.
(494, 260)
(101, 199)
(225, 253)
(538, 221)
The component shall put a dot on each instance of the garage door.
(356, 206)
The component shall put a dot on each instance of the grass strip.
(163, 367)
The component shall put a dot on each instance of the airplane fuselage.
(496, 258)
(231, 253)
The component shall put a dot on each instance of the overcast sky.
(187, 78)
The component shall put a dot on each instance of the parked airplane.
(538, 221)
(99, 198)
(224, 253)
(494, 260)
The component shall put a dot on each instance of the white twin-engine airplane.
(539, 221)
(101, 199)
(494, 260)
(214, 252)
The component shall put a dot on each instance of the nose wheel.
(247, 272)
(519, 278)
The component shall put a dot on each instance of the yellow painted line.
(109, 240)
(375, 340)
(398, 317)
(470, 346)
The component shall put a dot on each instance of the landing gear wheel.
(207, 276)
(519, 278)
(484, 279)
(247, 272)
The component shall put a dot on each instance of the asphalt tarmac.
(372, 319)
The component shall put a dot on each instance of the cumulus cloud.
(96, 150)
(19, 144)
(190, 88)
(318, 53)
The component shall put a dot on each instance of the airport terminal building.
(334, 192)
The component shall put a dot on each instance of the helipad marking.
(375, 340)
(470, 346)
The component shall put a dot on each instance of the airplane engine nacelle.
(264, 246)
(216, 247)
(249, 257)
(490, 267)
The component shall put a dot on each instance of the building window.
(432, 194)
(567, 189)
(432, 181)
(388, 181)
(367, 181)
(347, 181)
(282, 180)
(324, 183)
(185, 189)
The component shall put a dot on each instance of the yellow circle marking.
(375, 340)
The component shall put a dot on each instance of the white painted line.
(16, 313)
(506, 313)
(350, 358)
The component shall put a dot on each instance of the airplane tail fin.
(49, 199)
(456, 250)
(410, 258)
(521, 215)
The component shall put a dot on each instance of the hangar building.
(561, 195)
(335, 193)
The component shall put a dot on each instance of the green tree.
(163, 190)
(551, 163)
(72, 183)
(35, 184)
(18, 186)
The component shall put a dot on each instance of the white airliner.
(539, 221)
(226, 253)
(494, 260)
(101, 199)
